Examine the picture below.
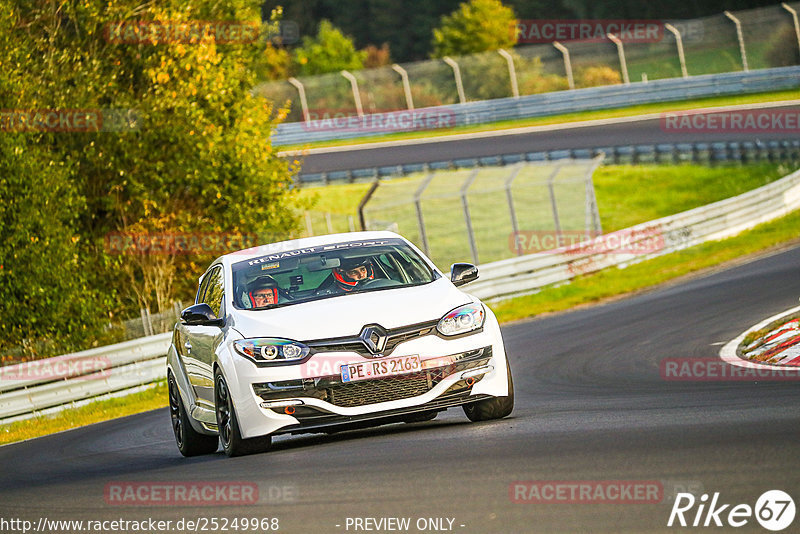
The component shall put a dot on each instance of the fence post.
(406, 85)
(303, 102)
(149, 328)
(356, 93)
(363, 203)
(512, 72)
(457, 74)
(467, 219)
(553, 206)
(329, 222)
(309, 228)
(621, 52)
(418, 206)
(567, 63)
(351, 223)
(511, 211)
(740, 37)
(794, 20)
(592, 220)
(679, 43)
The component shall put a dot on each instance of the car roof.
(293, 244)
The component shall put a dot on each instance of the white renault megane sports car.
(329, 333)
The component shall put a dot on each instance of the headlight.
(462, 320)
(270, 349)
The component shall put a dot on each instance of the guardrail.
(712, 152)
(43, 386)
(526, 274)
(545, 104)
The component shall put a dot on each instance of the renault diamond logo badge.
(374, 338)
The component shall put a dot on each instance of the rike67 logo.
(774, 510)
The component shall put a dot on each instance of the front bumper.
(455, 372)
(297, 397)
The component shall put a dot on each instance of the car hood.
(346, 315)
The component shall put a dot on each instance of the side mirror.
(463, 273)
(200, 315)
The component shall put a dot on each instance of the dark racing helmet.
(353, 272)
(256, 289)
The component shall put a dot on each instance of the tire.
(494, 408)
(228, 425)
(421, 417)
(189, 441)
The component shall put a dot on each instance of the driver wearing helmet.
(353, 273)
(262, 291)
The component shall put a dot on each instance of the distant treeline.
(407, 25)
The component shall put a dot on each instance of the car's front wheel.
(494, 408)
(189, 441)
(228, 425)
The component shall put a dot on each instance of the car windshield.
(289, 277)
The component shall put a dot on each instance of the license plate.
(380, 368)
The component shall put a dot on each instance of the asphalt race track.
(639, 132)
(590, 406)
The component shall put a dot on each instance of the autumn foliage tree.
(329, 51)
(191, 156)
(476, 26)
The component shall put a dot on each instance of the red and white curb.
(728, 352)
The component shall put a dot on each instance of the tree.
(476, 26)
(196, 158)
(329, 51)
(377, 57)
(275, 61)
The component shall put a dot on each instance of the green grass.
(633, 194)
(565, 118)
(626, 195)
(698, 61)
(615, 282)
(103, 410)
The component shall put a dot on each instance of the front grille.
(380, 390)
(393, 338)
(401, 387)
(363, 392)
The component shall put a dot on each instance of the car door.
(200, 341)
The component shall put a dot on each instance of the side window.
(202, 289)
(214, 291)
